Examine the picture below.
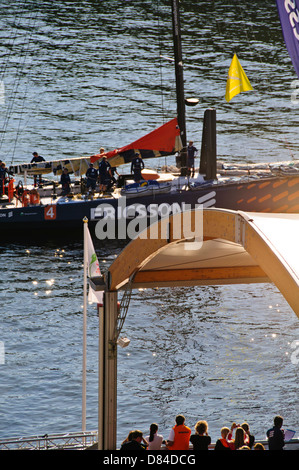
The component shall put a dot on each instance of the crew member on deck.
(65, 181)
(137, 166)
(112, 179)
(3, 176)
(36, 159)
(104, 173)
(92, 177)
(190, 158)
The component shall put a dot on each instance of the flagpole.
(85, 228)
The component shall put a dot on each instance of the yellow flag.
(237, 80)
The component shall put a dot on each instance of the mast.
(176, 28)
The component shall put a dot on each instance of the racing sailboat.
(252, 188)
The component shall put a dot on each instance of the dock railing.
(71, 440)
(84, 441)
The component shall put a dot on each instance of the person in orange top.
(222, 443)
(179, 435)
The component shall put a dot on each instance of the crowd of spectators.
(235, 437)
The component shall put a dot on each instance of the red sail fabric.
(162, 140)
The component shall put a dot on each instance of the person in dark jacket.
(191, 150)
(275, 435)
(3, 176)
(201, 440)
(65, 181)
(104, 173)
(37, 159)
(91, 177)
(137, 166)
(135, 442)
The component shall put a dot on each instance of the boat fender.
(25, 198)
(34, 197)
(10, 190)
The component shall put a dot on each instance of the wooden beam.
(155, 277)
(107, 399)
(257, 245)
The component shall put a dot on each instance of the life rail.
(71, 440)
(86, 440)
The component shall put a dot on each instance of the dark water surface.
(80, 75)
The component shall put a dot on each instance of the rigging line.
(26, 88)
(6, 63)
(16, 86)
(51, 43)
(160, 61)
(8, 114)
(164, 114)
(10, 49)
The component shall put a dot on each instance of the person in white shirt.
(154, 439)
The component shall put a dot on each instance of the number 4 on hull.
(50, 212)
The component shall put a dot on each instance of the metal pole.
(178, 58)
(101, 404)
(85, 228)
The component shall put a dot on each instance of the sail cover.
(162, 141)
(78, 166)
(289, 18)
(165, 140)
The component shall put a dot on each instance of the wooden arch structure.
(220, 247)
(233, 247)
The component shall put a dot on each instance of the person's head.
(278, 421)
(137, 435)
(153, 430)
(201, 427)
(153, 427)
(239, 437)
(180, 419)
(224, 432)
(130, 435)
(65, 170)
(91, 165)
(245, 427)
(190, 142)
(102, 150)
(35, 154)
(258, 446)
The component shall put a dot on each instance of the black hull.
(66, 219)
